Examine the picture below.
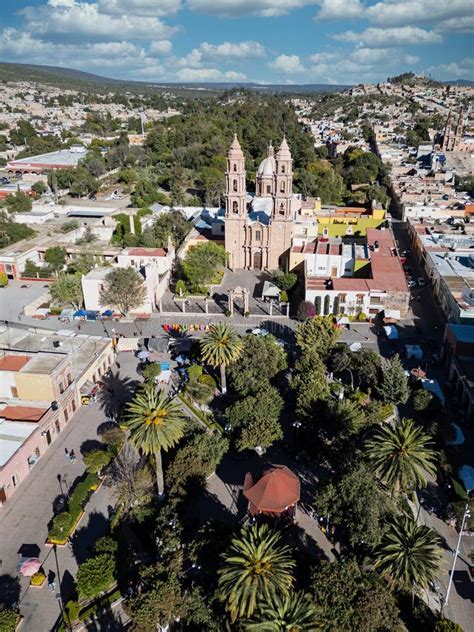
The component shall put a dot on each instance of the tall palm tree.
(155, 423)
(221, 346)
(408, 554)
(287, 613)
(402, 456)
(256, 568)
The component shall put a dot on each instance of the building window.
(61, 388)
(258, 235)
(282, 209)
(235, 167)
(235, 207)
(57, 426)
(269, 188)
(235, 185)
(283, 168)
(73, 405)
(282, 187)
(66, 415)
(69, 379)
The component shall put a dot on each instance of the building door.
(334, 271)
(48, 437)
(257, 260)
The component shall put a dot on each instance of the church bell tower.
(283, 183)
(236, 194)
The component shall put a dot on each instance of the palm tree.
(221, 346)
(256, 568)
(155, 422)
(286, 613)
(402, 456)
(408, 554)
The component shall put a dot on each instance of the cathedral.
(258, 230)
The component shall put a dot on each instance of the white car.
(411, 283)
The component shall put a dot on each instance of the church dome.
(267, 167)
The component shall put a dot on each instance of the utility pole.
(466, 515)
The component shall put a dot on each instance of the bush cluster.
(65, 521)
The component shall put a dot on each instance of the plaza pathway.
(24, 518)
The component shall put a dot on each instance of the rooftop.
(12, 436)
(12, 412)
(68, 157)
(145, 252)
(13, 362)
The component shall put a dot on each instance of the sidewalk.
(24, 518)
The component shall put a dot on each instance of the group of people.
(70, 455)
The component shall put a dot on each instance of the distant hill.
(77, 79)
(460, 82)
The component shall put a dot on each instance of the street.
(24, 518)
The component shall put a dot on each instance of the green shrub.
(64, 522)
(3, 279)
(96, 460)
(181, 288)
(208, 380)
(95, 575)
(194, 372)
(67, 227)
(9, 618)
(106, 544)
(71, 612)
(361, 317)
(151, 371)
(283, 296)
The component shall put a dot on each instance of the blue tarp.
(466, 474)
(165, 366)
(458, 438)
(90, 315)
(81, 313)
(108, 312)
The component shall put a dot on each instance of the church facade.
(258, 230)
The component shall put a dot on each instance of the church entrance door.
(257, 261)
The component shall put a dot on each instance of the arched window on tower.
(235, 207)
(283, 168)
(269, 188)
(282, 187)
(235, 185)
(282, 209)
(235, 167)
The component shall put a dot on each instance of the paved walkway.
(24, 518)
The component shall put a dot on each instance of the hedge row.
(65, 522)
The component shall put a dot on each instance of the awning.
(80, 313)
(391, 331)
(108, 313)
(88, 388)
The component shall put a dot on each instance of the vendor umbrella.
(30, 566)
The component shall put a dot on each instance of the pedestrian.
(72, 456)
(51, 581)
(117, 365)
(66, 454)
(79, 327)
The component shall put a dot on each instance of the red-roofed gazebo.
(276, 492)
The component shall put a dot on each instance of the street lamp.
(466, 515)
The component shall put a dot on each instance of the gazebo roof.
(276, 491)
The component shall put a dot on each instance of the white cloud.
(386, 38)
(462, 69)
(213, 53)
(232, 50)
(407, 12)
(150, 8)
(323, 57)
(120, 55)
(160, 47)
(339, 9)
(456, 25)
(208, 74)
(287, 64)
(236, 8)
(66, 19)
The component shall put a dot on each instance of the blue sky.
(266, 41)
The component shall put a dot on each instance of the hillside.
(77, 79)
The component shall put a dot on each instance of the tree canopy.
(124, 289)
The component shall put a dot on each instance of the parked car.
(260, 331)
(411, 283)
(421, 281)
